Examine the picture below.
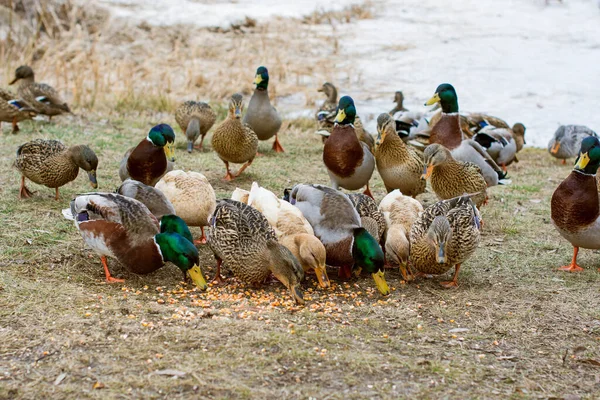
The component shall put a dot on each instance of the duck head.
(446, 96)
(181, 252)
(435, 154)
(236, 106)
(384, 124)
(439, 235)
(346, 111)
(286, 268)
(261, 79)
(23, 72)
(86, 159)
(162, 135)
(174, 224)
(368, 256)
(588, 159)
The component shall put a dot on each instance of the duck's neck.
(575, 202)
(332, 96)
(27, 81)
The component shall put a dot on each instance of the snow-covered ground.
(521, 60)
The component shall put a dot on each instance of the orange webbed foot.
(449, 284)
(110, 279)
(277, 146)
(228, 177)
(571, 268)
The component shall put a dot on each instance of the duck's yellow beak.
(322, 276)
(433, 100)
(341, 115)
(92, 177)
(427, 172)
(382, 285)
(582, 161)
(170, 151)
(258, 79)
(195, 274)
(554, 148)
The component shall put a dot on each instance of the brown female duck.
(43, 98)
(14, 110)
(195, 118)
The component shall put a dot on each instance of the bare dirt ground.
(516, 327)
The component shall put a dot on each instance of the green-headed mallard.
(262, 117)
(370, 217)
(52, 164)
(192, 197)
(400, 212)
(234, 141)
(148, 161)
(150, 196)
(567, 141)
(444, 236)
(399, 101)
(43, 98)
(575, 205)
(123, 228)
(399, 165)
(337, 224)
(292, 230)
(242, 240)
(451, 178)
(195, 118)
(14, 110)
(349, 162)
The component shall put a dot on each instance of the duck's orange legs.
(368, 192)
(202, 239)
(56, 196)
(503, 167)
(246, 165)
(228, 175)
(564, 161)
(218, 279)
(277, 146)
(109, 278)
(199, 147)
(573, 267)
(14, 125)
(24, 193)
(454, 281)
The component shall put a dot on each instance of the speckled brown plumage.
(371, 218)
(42, 97)
(195, 118)
(14, 112)
(451, 178)
(52, 164)
(455, 220)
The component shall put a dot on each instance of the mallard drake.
(261, 116)
(192, 197)
(123, 228)
(400, 212)
(447, 131)
(14, 110)
(242, 239)
(499, 144)
(445, 235)
(52, 164)
(150, 196)
(292, 230)
(148, 161)
(195, 118)
(575, 205)
(337, 224)
(451, 178)
(43, 98)
(349, 162)
(399, 101)
(234, 141)
(370, 217)
(567, 141)
(400, 166)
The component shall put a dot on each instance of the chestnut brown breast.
(343, 152)
(447, 131)
(147, 163)
(575, 202)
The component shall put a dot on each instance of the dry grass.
(526, 330)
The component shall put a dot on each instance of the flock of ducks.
(256, 234)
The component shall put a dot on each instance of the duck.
(192, 196)
(451, 178)
(243, 241)
(575, 204)
(149, 160)
(195, 118)
(52, 164)
(240, 194)
(567, 141)
(447, 131)
(325, 115)
(123, 228)
(261, 116)
(14, 110)
(370, 217)
(400, 213)
(518, 131)
(399, 104)
(337, 224)
(234, 141)
(499, 143)
(445, 235)
(150, 196)
(349, 162)
(399, 165)
(43, 98)
(292, 230)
